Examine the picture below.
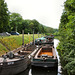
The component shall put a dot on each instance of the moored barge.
(13, 63)
(45, 40)
(45, 57)
(50, 39)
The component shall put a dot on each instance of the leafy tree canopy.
(4, 16)
(67, 40)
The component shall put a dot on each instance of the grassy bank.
(14, 41)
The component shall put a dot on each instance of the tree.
(67, 40)
(15, 21)
(4, 16)
(26, 26)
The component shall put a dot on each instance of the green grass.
(3, 50)
(15, 41)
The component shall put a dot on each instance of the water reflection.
(26, 72)
(39, 71)
(44, 71)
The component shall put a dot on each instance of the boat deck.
(9, 60)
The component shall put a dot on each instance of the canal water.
(45, 71)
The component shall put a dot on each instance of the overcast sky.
(47, 12)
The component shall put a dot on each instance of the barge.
(50, 40)
(13, 63)
(45, 57)
(45, 40)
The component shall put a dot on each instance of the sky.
(46, 12)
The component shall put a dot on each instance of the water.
(45, 71)
(59, 64)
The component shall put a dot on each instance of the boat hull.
(14, 67)
(45, 63)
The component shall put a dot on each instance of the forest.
(14, 22)
(66, 46)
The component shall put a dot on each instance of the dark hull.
(45, 63)
(15, 68)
